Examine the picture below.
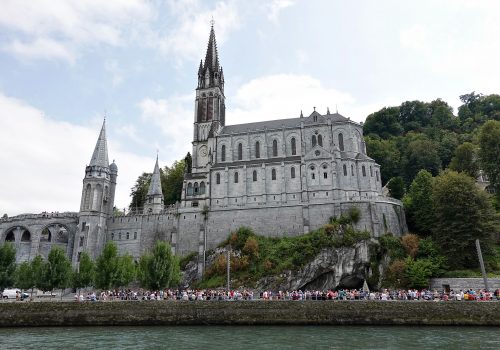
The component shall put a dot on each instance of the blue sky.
(64, 63)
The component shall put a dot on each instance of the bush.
(410, 243)
(251, 247)
(392, 245)
(354, 214)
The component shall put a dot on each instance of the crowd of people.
(316, 295)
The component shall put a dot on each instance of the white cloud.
(43, 161)
(116, 73)
(283, 96)
(68, 24)
(190, 33)
(174, 116)
(275, 7)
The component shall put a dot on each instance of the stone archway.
(21, 237)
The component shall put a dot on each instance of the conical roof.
(212, 58)
(155, 185)
(100, 155)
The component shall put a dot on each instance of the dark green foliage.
(463, 213)
(420, 154)
(160, 268)
(171, 182)
(38, 268)
(418, 204)
(7, 265)
(489, 153)
(57, 269)
(465, 160)
(24, 276)
(396, 187)
(139, 191)
(385, 153)
(418, 272)
(126, 271)
(107, 267)
(384, 123)
(392, 246)
(84, 276)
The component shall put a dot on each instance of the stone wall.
(149, 313)
(464, 283)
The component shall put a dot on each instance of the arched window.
(236, 177)
(294, 146)
(217, 179)
(10, 237)
(341, 142)
(254, 175)
(292, 172)
(190, 189)
(352, 170)
(86, 201)
(325, 175)
(363, 170)
(371, 171)
(128, 235)
(313, 141)
(275, 148)
(273, 174)
(240, 151)
(223, 153)
(26, 237)
(202, 188)
(376, 174)
(345, 170)
(257, 149)
(196, 189)
(320, 140)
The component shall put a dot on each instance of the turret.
(154, 198)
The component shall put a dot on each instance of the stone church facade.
(279, 177)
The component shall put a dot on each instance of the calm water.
(258, 337)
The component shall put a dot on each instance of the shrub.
(396, 274)
(251, 247)
(354, 214)
(410, 243)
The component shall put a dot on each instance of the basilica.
(280, 177)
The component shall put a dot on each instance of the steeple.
(100, 155)
(154, 198)
(211, 57)
(155, 185)
(210, 72)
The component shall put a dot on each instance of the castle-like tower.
(97, 201)
(154, 198)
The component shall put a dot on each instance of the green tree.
(385, 153)
(24, 277)
(39, 270)
(463, 213)
(414, 115)
(107, 270)
(465, 160)
(418, 272)
(396, 187)
(489, 154)
(7, 265)
(139, 191)
(160, 268)
(383, 123)
(126, 271)
(171, 182)
(420, 154)
(84, 275)
(58, 269)
(418, 204)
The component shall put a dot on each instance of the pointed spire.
(100, 155)
(212, 58)
(301, 114)
(327, 110)
(155, 185)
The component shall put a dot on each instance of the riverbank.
(148, 313)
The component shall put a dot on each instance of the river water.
(252, 337)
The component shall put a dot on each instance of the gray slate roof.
(155, 184)
(279, 123)
(100, 155)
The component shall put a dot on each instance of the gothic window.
(345, 170)
(257, 149)
(196, 189)
(223, 153)
(217, 178)
(273, 174)
(236, 177)
(112, 236)
(294, 146)
(240, 151)
(313, 141)
(313, 176)
(292, 172)
(254, 175)
(320, 140)
(97, 198)
(363, 170)
(376, 173)
(341, 142)
(82, 239)
(371, 171)
(86, 201)
(128, 235)
(10, 237)
(202, 187)
(190, 189)
(275, 148)
(352, 170)
(325, 175)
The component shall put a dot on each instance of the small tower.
(97, 201)
(154, 198)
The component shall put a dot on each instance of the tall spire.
(100, 155)
(155, 185)
(212, 58)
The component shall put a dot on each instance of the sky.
(65, 64)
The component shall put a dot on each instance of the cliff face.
(345, 267)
